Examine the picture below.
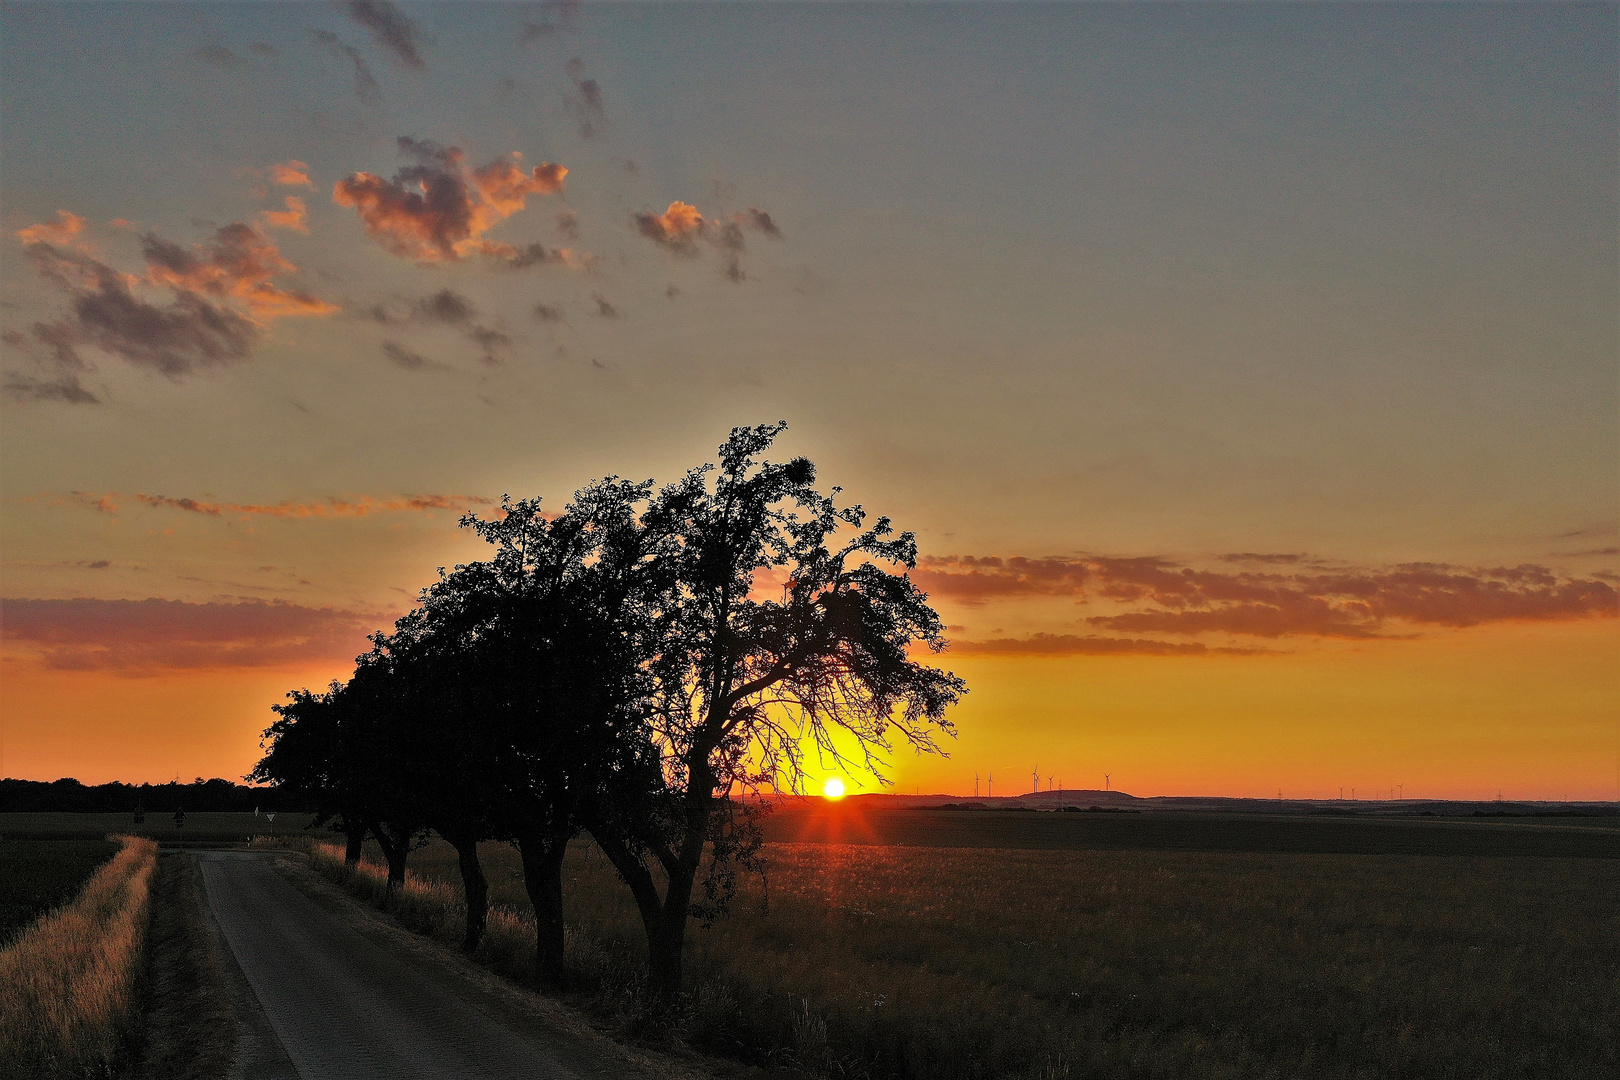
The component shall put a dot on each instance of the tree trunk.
(476, 889)
(663, 918)
(395, 849)
(664, 976)
(666, 941)
(355, 842)
(542, 878)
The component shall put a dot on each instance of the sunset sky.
(1247, 372)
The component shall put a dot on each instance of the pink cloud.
(1350, 603)
(1088, 645)
(147, 637)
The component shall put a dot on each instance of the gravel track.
(347, 1006)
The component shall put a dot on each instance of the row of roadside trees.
(633, 666)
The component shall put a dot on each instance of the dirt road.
(347, 1002)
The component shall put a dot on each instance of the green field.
(38, 875)
(948, 944)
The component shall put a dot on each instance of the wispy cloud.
(222, 292)
(295, 217)
(435, 210)
(585, 103)
(148, 637)
(443, 308)
(332, 507)
(390, 29)
(365, 83)
(1170, 598)
(401, 357)
(1049, 645)
(218, 56)
(291, 174)
(63, 230)
(238, 262)
(679, 228)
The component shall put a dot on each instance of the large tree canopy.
(746, 682)
(637, 664)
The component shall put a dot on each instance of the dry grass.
(68, 983)
(910, 962)
(189, 1030)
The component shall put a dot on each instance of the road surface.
(348, 1002)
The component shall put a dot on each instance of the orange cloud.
(435, 211)
(146, 637)
(291, 174)
(1345, 603)
(675, 228)
(239, 263)
(295, 217)
(332, 507)
(61, 231)
(680, 227)
(1088, 645)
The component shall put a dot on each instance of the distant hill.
(1084, 798)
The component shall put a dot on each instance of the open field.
(38, 875)
(997, 950)
(1596, 837)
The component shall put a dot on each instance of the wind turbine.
(975, 785)
(1035, 780)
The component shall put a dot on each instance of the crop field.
(1213, 947)
(38, 875)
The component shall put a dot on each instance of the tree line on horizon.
(618, 669)
(70, 796)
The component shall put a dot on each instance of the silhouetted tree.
(744, 682)
(553, 677)
(303, 756)
(337, 747)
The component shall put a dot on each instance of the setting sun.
(832, 789)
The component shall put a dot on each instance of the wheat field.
(68, 983)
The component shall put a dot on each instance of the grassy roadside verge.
(189, 1030)
(68, 983)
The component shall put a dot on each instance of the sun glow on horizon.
(832, 789)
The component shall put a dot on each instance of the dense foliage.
(69, 796)
(632, 666)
